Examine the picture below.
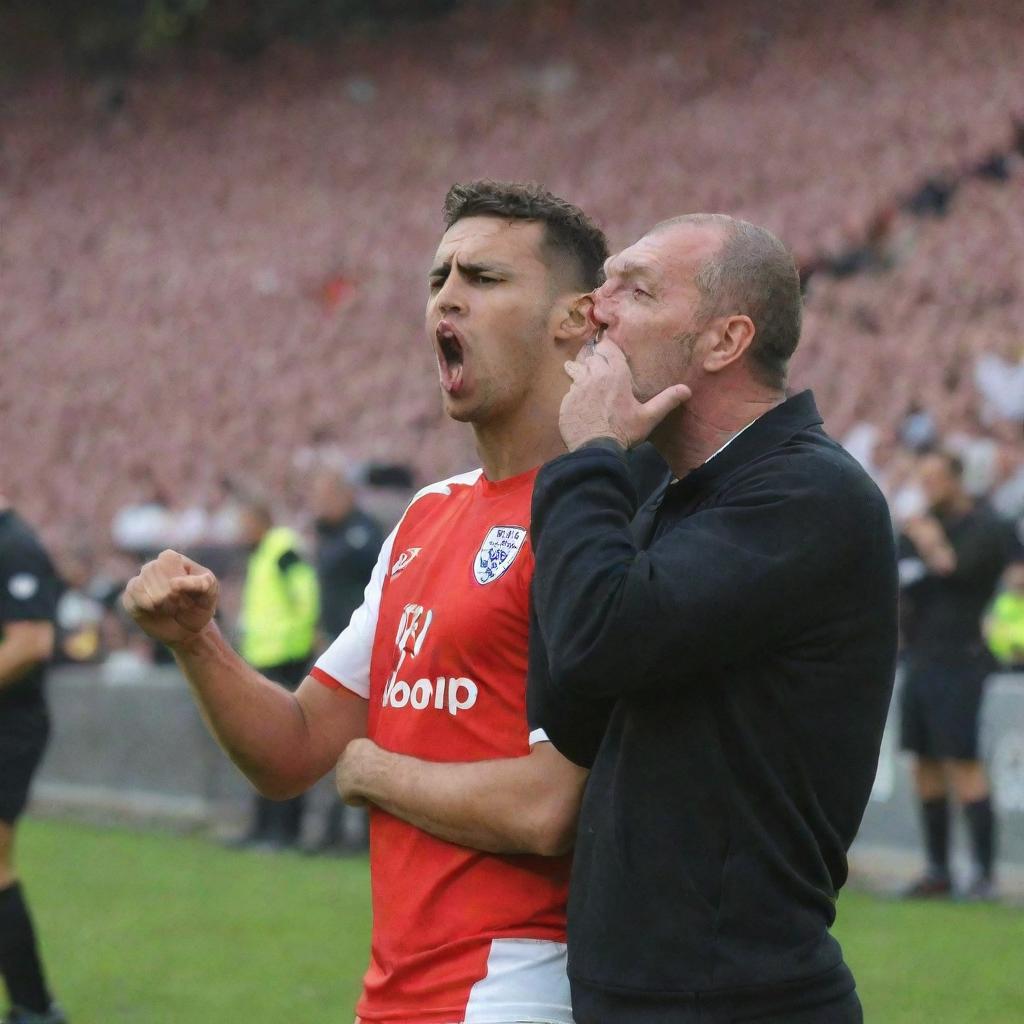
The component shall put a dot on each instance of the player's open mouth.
(450, 357)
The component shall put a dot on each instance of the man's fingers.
(662, 404)
(175, 564)
(194, 585)
(610, 351)
(586, 351)
(134, 598)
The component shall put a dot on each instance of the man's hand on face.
(601, 402)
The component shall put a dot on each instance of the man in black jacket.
(722, 657)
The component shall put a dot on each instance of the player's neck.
(519, 442)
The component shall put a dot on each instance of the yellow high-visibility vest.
(279, 607)
(1006, 628)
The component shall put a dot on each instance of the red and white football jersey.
(439, 648)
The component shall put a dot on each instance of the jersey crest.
(498, 552)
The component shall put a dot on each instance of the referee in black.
(28, 597)
(721, 657)
(951, 559)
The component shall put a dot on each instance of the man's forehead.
(474, 239)
(680, 246)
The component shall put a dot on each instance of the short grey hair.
(752, 274)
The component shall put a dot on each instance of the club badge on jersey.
(498, 552)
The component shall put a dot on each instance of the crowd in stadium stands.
(226, 267)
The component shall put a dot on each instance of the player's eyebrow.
(470, 269)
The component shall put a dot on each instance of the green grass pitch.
(144, 928)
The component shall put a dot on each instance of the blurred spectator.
(1004, 626)
(1001, 384)
(918, 430)
(280, 607)
(143, 525)
(80, 612)
(347, 543)
(933, 197)
(951, 559)
(1008, 495)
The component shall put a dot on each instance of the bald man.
(721, 657)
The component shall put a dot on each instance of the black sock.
(19, 958)
(935, 819)
(981, 824)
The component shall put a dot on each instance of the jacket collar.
(772, 429)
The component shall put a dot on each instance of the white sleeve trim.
(538, 736)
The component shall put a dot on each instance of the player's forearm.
(485, 805)
(260, 725)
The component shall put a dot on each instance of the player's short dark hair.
(753, 274)
(569, 234)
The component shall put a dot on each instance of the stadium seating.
(198, 281)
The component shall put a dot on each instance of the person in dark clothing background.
(347, 543)
(29, 589)
(722, 657)
(951, 559)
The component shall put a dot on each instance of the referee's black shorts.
(941, 704)
(23, 735)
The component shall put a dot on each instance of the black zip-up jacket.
(723, 659)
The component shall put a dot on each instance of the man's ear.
(575, 325)
(731, 343)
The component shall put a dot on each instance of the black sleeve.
(28, 584)
(981, 552)
(714, 588)
(574, 729)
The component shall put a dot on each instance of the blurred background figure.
(347, 543)
(951, 557)
(279, 611)
(28, 600)
(80, 611)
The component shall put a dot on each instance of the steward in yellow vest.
(1004, 627)
(280, 607)
(280, 602)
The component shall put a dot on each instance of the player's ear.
(575, 326)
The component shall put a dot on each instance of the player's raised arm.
(283, 742)
(514, 805)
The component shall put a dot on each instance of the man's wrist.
(606, 441)
(369, 772)
(206, 640)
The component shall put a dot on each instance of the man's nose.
(597, 313)
(450, 299)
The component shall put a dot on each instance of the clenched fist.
(172, 598)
